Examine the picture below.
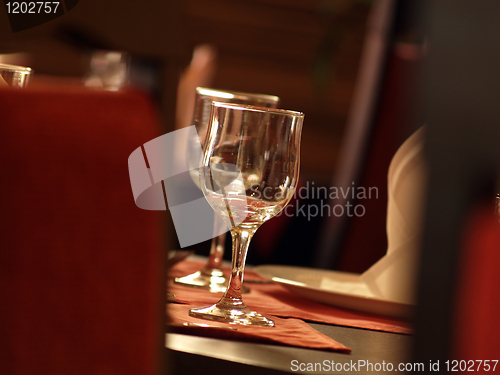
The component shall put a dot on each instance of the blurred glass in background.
(109, 70)
(15, 76)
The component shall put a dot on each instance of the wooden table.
(192, 354)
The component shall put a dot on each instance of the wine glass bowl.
(211, 276)
(249, 173)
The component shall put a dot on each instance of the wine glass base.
(213, 281)
(240, 315)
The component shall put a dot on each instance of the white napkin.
(393, 276)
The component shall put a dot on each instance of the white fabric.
(393, 276)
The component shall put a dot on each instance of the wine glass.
(15, 76)
(211, 276)
(109, 70)
(249, 173)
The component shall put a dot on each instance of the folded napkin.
(287, 309)
(393, 276)
(290, 332)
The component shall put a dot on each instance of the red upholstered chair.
(81, 267)
(381, 119)
(365, 239)
(476, 325)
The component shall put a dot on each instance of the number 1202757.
(32, 7)
(477, 365)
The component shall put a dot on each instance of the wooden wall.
(304, 51)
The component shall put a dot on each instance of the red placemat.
(287, 309)
(291, 332)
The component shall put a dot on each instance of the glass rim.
(255, 108)
(229, 94)
(15, 68)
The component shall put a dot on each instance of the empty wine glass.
(249, 173)
(211, 276)
(15, 76)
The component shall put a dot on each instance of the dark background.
(307, 52)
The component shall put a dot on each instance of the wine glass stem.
(217, 247)
(241, 240)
